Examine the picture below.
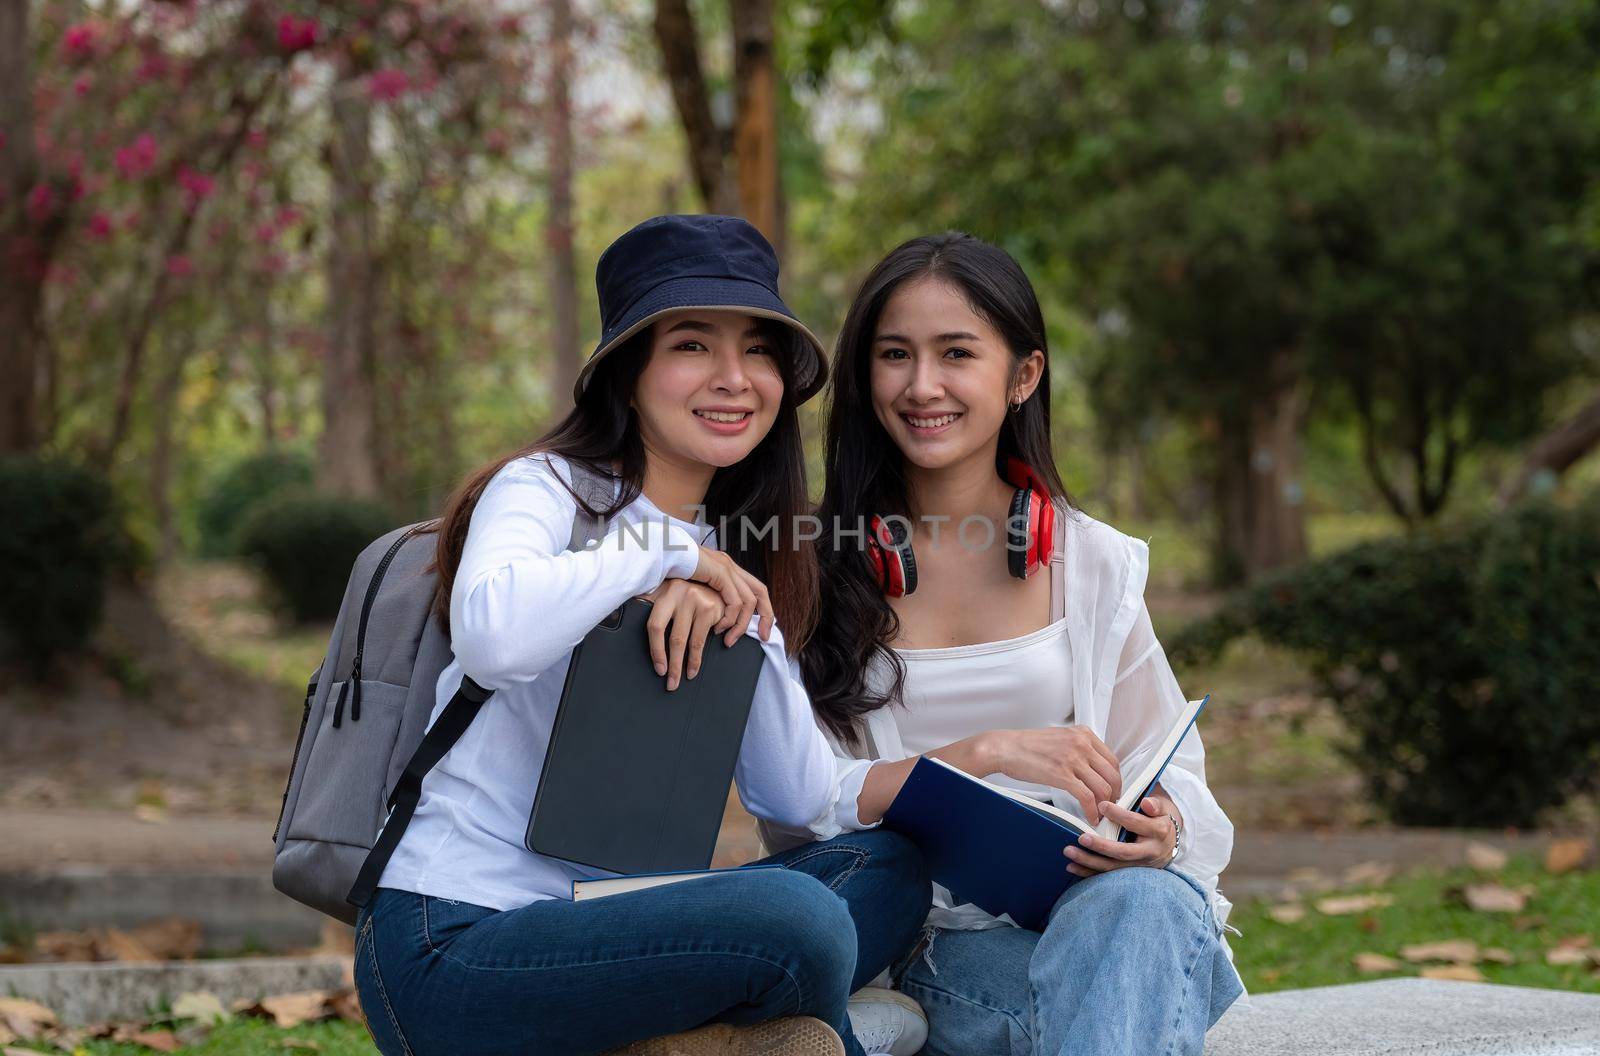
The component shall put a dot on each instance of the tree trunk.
(1260, 493)
(708, 144)
(558, 232)
(24, 250)
(346, 453)
(177, 350)
(755, 131)
(1555, 452)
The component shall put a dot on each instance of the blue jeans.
(1130, 961)
(437, 976)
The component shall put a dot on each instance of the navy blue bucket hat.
(669, 263)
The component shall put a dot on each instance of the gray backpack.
(361, 754)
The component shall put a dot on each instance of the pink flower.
(137, 158)
(196, 184)
(100, 227)
(296, 34)
(287, 216)
(179, 266)
(41, 203)
(154, 66)
(266, 232)
(255, 139)
(78, 44)
(385, 85)
(82, 85)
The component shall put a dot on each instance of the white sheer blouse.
(1121, 687)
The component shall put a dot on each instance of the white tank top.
(955, 692)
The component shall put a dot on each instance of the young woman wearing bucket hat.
(1002, 630)
(471, 945)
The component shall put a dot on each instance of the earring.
(1015, 407)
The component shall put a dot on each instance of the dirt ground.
(150, 722)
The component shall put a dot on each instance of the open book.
(1001, 849)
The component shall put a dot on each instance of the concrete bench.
(1397, 1017)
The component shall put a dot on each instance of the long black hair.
(768, 486)
(866, 470)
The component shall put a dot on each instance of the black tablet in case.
(635, 778)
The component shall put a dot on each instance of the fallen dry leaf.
(1566, 955)
(169, 939)
(160, 1040)
(1458, 951)
(1463, 972)
(1497, 955)
(1340, 905)
(200, 1005)
(1310, 879)
(150, 813)
(1485, 858)
(17, 1050)
(1492, 898)
(120, 946)
(25, 1019)
(345, 1003)
(1369, 874)
(300, 1043)
(1528, 922)
(1574, 940)
(1375, 962)
(1288, 913)
(1563, 856)
(65, 946)
(291, 1010)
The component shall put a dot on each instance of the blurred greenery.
(1461, 659)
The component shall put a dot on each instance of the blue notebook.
(1000, 849)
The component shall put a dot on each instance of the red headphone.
(895, 567)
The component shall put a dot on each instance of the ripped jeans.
(1130, 961)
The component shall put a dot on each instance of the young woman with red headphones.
(990, 623)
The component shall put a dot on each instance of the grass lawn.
(1318, 950)
(248, 1037)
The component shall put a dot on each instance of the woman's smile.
(724, 421)
(921, 425)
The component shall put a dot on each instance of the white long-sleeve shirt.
(519, 604)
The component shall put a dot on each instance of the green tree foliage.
(63, 538)
(306, 543)
(1462, 659)
(224, 505)
(1249, 198)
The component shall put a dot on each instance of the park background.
(1321, 286)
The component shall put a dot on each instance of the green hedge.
(230, 495)
(1465, 660)
(306, 543)
(63, 538)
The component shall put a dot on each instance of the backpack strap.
(440, 738)
(597, 491)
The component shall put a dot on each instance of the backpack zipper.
(299, 739)
(353, 683)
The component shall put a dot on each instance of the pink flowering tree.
(294, 199)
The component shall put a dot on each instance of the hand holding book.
(1155, 830)
(1070, 758)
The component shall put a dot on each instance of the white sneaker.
(887, 1022)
